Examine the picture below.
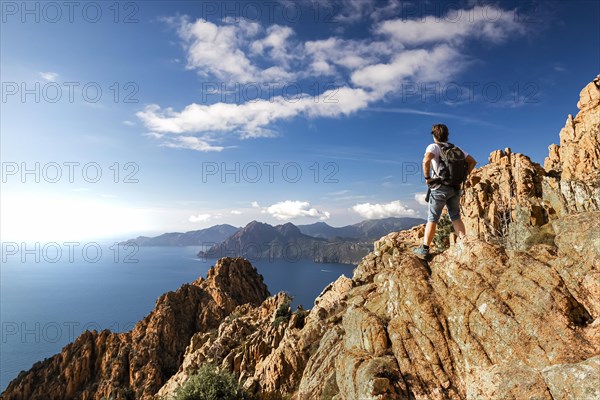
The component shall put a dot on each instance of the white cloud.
(422, 65)
(483, 22)
(374, 211)
(255, 204)
(390, 9)
(49, 76)
(236, 212)
(216, 49)
(223, 50)
(200, 218)
(249, 119)
(276, 43)
(129, 123)
(289, 209)
(420, 198)
(185, 142)
(350, 11)
(324, 56)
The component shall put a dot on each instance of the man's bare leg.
(430, 233)
(459, 228)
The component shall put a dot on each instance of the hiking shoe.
(422, 253)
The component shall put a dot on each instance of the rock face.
(573, 182)
(136, 364)
(512, 200)
(503, 200)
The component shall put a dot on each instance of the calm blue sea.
(49, 295)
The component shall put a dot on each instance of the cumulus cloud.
(49, 76)
(289, 209)
(277, 44)
(421, 65)
(200, 218)
(482, 22)
(374, 211)
(255, 204)
(236, 212)
(214, 49)
(327, 56)
(249, 119)
(420, 198)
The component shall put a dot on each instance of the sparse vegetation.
(441, 240)
(210, 383)
(500, 227)
(284, 312)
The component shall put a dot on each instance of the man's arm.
(427, 166)
(471, 162)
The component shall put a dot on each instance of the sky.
(141, 117)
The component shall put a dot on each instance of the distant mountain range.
(261, 240)
(319, 242)
(214, 234)
(368, 229)
(257, 240)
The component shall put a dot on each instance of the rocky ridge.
(512, 200)
(135, 364)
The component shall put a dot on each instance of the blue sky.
(320, 111)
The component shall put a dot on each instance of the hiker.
(445, 167)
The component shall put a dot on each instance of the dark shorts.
(444, 196)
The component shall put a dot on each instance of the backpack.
(453, 165)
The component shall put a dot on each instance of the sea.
(51, 292)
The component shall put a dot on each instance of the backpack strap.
(444, 145)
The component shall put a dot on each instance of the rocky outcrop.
(240, 343)
(503, 201)
(573, 182)
(512, 200)
(136, 364)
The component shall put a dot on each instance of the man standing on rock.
(445, 167)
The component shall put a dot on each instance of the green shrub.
(284, 312)
(209, 383)
(441, 240)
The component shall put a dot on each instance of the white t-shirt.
(434, 148)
